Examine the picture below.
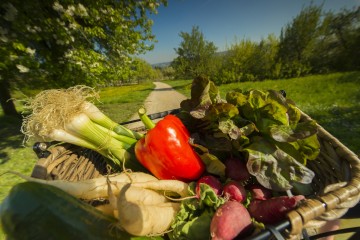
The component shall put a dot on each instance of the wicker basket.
(68, 162)
(337, 185)
(337, 180)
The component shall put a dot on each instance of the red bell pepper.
(166, 152)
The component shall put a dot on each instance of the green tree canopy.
(338, 46)
(67, 42)
(297, 41)
(195, 55)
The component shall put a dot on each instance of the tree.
(340, 41)
(168, 72)
(297, 41)
(66, 42)
(264, 58)
(195, 55)
(238, 62)
(144, 71)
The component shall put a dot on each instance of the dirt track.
(162, 98)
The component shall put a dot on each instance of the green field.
(333, 100)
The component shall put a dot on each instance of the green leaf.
(309, 147)
(294, 114)
(221, 110)
(273, 167)
(228, 127)
(265, 109)
(203, 94)
(285, 133)
(212, 163)
(198, 227)
(236, 98)
(195, 214)
(192, 222)
(209, 197)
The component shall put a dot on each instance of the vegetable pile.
(219, 169)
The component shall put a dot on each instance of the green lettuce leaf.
(203, 94)
(285, 133)
(263, 125)
(236, 98)
(195, 214)
(274, 168)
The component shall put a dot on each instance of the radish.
(234, 191)
(210, 180)
(230, 220)
(259, 192)
(274, 209)
(236, 169)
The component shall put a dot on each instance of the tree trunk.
(7, 103)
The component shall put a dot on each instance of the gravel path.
(162, 98)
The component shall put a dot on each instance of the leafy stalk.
(100, 118)
(145, 118)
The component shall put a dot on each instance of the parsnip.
(93, 188)
(152, 216)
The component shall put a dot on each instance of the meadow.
(333, 100)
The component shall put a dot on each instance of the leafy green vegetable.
(193, 219)
(212, 163)
(274, 168)
(285, 133)
(204, 93)
(263, 126)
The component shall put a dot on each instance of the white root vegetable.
(143, 208)
(93, 188)
(141, 216)
(168, 187)
(143, 195)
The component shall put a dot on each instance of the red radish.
(274, 209)
(230, 220)
(212, 181)
(236, 169)
(259, 192)
(234, 191)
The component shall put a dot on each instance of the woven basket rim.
(344, 196)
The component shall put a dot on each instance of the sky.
(224, 22)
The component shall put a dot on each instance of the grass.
(119, 103)
(333, 100)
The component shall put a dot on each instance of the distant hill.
(166, 64)
(161, 65)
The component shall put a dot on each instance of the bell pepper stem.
(145, 119)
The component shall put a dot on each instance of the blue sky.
(225, 21)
